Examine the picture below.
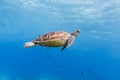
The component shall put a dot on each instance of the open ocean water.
(94, 55)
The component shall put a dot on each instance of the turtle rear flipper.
(68, 42)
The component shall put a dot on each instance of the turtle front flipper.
(68, 42)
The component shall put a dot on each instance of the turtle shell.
(52, 39)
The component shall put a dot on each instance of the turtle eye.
(78, 31)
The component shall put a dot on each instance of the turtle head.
(29, 44)
(75, 33)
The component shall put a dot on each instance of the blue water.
(95, 54)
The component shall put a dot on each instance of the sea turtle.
(54, 39)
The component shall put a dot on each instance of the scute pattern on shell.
(52, 36)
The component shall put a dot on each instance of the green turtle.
(54, 39)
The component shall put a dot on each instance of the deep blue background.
(95, 54)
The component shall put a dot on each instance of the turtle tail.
(29, 44)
